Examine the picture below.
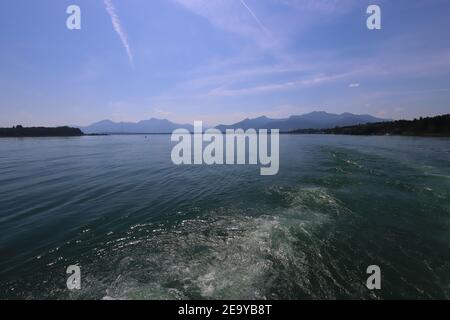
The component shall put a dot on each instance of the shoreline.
(281, 133)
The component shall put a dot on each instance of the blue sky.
(221, 60)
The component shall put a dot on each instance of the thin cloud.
(111, 9)
(233, 16)
(255, 17)
(314, 80)
(354, 85)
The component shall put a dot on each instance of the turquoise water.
(142, 228)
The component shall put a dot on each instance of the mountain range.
(313, 120)
(144, 126)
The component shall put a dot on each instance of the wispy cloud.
(255, 17)
(354, 85)
(229, 16)
(314, 80)
(111, 9)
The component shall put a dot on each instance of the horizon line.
(206, 124)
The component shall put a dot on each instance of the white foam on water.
(222, 254)
(227, 256)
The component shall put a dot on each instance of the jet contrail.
(255, 17)
(111, 9)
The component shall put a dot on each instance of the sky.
(221, 61)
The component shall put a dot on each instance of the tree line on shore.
(438, 126)
(20, 131)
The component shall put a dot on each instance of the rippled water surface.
(142, 228)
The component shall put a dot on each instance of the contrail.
(111, 9)
(255, 17)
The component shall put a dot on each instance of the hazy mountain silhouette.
(313, 120)
(144, 126)
(248, 123)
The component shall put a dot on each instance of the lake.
(142, 228)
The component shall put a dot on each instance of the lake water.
(142, 228)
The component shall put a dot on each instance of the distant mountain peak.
(105, 121)
(312, 120)
(318, 112)
(152, 125)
